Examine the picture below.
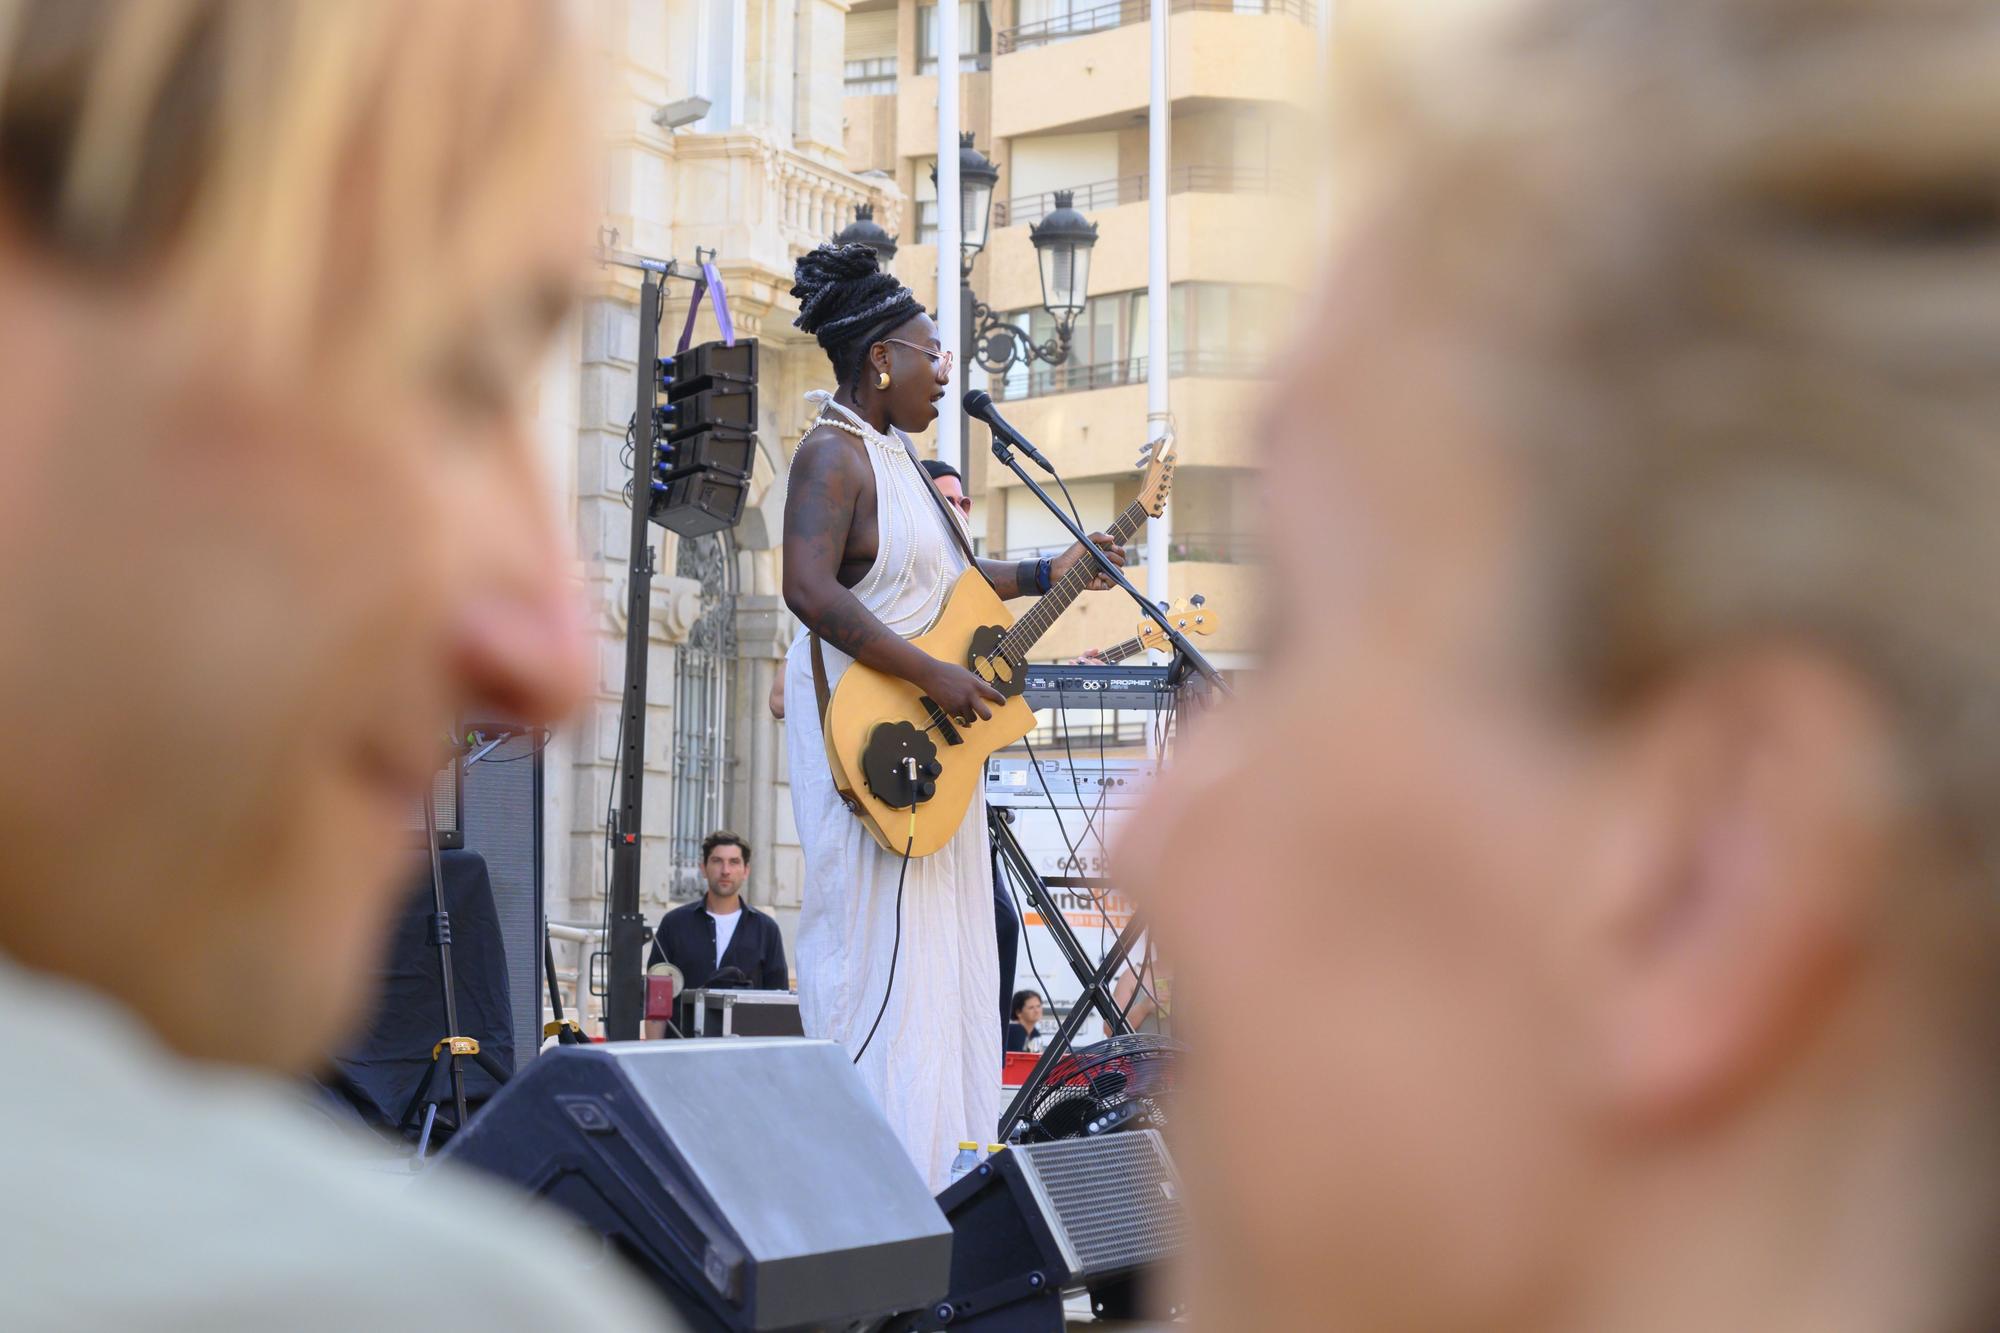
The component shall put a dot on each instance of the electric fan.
(1121, 1083)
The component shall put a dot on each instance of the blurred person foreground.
(1640, 940)
(1624, 957)
(270, 276)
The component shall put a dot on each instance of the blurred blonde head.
(276, 278)
(1753, 357)
(1634, 495)
(326, 179)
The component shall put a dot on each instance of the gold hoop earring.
(882, 380)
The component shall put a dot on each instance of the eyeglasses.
(937, 358)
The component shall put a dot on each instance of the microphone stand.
(1186, 651)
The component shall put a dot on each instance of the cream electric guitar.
(1193, 616)
(908, 771)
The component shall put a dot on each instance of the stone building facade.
(759, 179)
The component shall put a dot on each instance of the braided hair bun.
(848, 303)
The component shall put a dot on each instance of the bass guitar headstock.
(1192, 615)
(1157, 462)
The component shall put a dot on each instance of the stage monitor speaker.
(1037, 1220)
(500, 799)
(755, 1182)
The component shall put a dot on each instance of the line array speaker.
(704, 437)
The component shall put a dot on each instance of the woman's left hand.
(1065, 562)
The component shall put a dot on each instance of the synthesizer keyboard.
(1094, 686)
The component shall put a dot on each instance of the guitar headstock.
(1157, 461)
(1190, 616)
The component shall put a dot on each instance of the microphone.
(979, 403)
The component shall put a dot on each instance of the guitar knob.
(933, 768)
(926, 789)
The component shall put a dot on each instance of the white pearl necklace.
(896, 513)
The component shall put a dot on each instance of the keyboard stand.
(1011, 861)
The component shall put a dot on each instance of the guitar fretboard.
(1118, 652)
(1020, 639)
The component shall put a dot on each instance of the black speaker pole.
(625, 971)
(441, 936)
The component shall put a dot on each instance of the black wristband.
(1024, 577)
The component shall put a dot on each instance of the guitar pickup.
(939, 722)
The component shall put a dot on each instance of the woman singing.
(868, 564)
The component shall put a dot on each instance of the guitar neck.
(1118, 652)
(1044, 613)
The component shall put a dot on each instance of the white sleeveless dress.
(934, 1065)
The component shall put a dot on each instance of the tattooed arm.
(826, 485)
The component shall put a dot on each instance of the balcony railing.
(1120, 13)
(1191, 179)
(1073, 378)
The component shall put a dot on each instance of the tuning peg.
(1197, 600)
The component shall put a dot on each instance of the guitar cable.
(896, 948)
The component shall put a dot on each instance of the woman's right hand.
(960, 693)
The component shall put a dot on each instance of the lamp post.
(1062, 242)
(865, 230)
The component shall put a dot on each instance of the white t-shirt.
(725, 931)
(146, 1191)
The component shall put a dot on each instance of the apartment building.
(1055, 93)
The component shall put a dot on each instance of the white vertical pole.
(1158, 328)
(950, 232)
(739, 71)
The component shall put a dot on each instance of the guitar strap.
(952, 522)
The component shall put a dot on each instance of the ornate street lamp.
(865, 230)
(976, 178)
(1063, 242)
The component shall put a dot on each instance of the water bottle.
(968, 1158)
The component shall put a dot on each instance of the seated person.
(1021, 1035)
(719, 938)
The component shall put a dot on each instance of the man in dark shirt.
(721, 933)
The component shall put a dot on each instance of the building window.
(868, 78)
(704, 680)
(1215, 328)
(975, 37)
(927, 222)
